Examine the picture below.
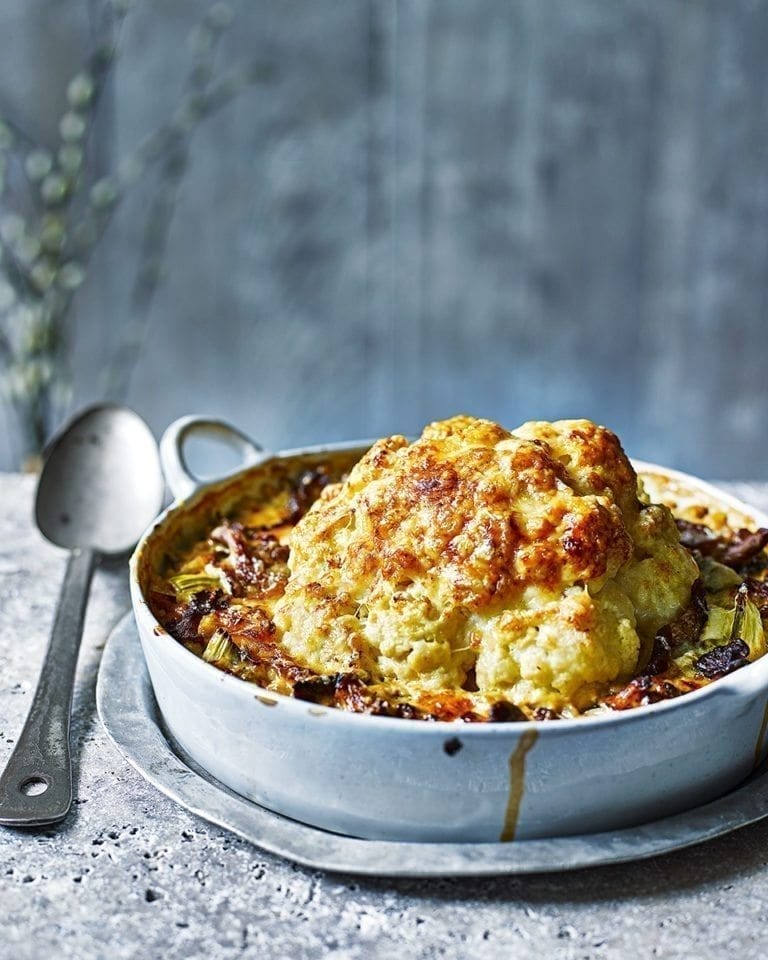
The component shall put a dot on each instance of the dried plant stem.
(45, 254)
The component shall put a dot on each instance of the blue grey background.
(516, 208)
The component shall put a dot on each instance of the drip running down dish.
(475, 574)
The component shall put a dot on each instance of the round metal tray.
(130, 716)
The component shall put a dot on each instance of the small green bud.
(7, 295)
(38, 164)
(61, 393)
(186, 116)
(11, 384)
(27, 248)
(80, 90)
(42, 275)
(52, 233)
(70, 158)
(129, 170)
(200, 39)
(72, 126)
(71, 275)
(104, 193)
(12, 226)
(220, 16)
(54, 188)
(38, 373)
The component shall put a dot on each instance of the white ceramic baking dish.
(389, 778)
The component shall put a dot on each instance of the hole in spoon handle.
(41, 757)
(34, 786)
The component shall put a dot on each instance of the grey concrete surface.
(131, 875)
(523, 209)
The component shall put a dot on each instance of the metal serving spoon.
(100, 487)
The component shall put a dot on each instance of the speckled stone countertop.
(130, 874)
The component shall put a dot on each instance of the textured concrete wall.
(518, 208)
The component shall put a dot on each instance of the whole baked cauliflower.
(511, 565)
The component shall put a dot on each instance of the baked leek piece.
(475, 573)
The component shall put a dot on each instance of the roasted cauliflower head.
(517, 566)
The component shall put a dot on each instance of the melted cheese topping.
(512, 565)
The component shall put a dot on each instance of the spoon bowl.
(101, 484)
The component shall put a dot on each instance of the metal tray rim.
(127, 708)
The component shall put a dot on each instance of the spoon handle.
(36, 786)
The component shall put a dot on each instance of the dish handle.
(180, 478)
